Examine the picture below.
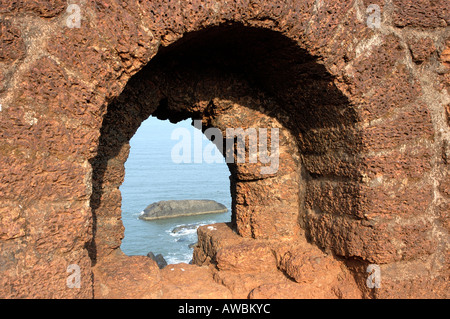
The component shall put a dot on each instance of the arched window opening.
(154, 172)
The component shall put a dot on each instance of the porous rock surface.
(364, 145)
(179, 208)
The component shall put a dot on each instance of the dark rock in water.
(184, 227)
(159, 259)
(193, 245)
(177, 208)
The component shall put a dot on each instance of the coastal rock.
(184, 227)
(159, 259)
(178, 208)
(186, 281)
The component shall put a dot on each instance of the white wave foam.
(176, 259)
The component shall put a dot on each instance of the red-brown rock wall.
(363, 111)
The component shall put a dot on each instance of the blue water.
(151, 175)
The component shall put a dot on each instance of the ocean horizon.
(151, 175)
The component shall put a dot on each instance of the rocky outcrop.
(180, 208)
(225, 266)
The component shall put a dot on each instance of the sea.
(153, 172)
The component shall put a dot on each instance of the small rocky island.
(178, 208)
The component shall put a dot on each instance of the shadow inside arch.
(232, 64)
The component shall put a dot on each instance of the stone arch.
(231, 77)
(373, 167)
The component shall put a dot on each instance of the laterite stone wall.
(363, 111)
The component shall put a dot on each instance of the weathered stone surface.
(140, 272)
(421, 13)
(44, 8)
(444, 215)
(364, 121)
(12, 46)
(242, 284)
(159, 259)
(184, 227)
(421, 49)
(445, 55)
(184, 281)
(266, 269)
